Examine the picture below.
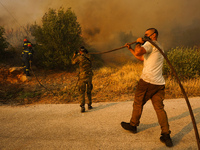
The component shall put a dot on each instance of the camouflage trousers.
(85, 86)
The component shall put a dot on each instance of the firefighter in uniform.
(85, 76)
(25, 45)
(27, 56)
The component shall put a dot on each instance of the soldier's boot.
(82, 108)
(90, 107)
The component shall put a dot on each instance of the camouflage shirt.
(85, 65)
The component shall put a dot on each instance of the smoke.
(110, 24)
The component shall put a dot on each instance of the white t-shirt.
(153, 63)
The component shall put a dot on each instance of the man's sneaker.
(165, 138)
(82, 109)
(90, 107)
(129, 127)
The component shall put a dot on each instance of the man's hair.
(154, 31)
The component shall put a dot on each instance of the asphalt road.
(63, 127)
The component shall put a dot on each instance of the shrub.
(3, 43)
(185, 61)
(57, 39)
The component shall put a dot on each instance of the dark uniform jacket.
(25, 45)
(27, 54)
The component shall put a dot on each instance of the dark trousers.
(26, 66)
(156, 93)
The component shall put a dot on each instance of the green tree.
(3, 43)
(57, 39)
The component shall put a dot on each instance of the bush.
(3, 43)
(57, 39)
(185, 61)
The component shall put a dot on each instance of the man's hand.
(140, 40)
(128, 45)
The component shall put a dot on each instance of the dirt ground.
(55, 87)
(44, 87)
(40, 87)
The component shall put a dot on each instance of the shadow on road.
(102, 107)
(185, 130)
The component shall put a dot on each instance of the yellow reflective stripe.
(27, 69)
(26, 43)
(30, 53)
(26, 51)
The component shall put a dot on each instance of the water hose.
(177, 78)
(112, 49)
(39, 81)
(183, 91)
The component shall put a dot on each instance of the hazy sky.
(109, 23)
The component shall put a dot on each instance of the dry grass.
(110, 84)
(116, 83)
(119, 83)
(191, 87)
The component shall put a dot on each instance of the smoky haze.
(109, 24)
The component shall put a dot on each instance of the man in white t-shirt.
(150, 86)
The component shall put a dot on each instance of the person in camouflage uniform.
(85, 76)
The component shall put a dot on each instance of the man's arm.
(138, 52)
(74, 59)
